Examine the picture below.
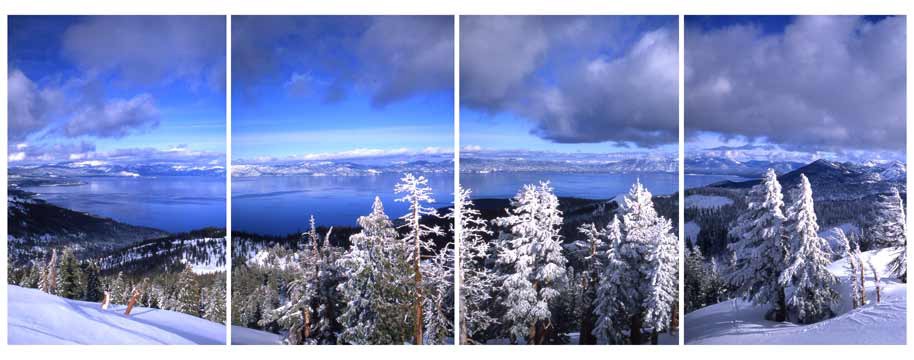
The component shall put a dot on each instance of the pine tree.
(813, 286)
(187, 293)
(48, 281)
(475, 279)
(616, 273)
(378, 284)
(851, 266)
(530, 253)
(643, 280)
(438, 309)
(214, 303)
(417, 193)
(93, 290)
(68, 277)
(34, 277)
(890, 231)
(117, 289)
(589, 281)
(760, 248)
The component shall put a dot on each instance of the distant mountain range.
(753, 160)
(342, 168)
(72, 169)
(833, 180)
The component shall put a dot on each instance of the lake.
(581, 185)
(280, 205)
(170, 203)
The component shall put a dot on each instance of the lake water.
(699, 180)
(582, 185)
(170, 203)
(281, 205)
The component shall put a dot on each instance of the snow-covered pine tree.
(695, 279)
(590, 280)
(93, 291)
(813, 286)
(328, 296)
(890, 231)
(214, 303)
(69, 283)
(851, 266)
(117, 288)
(759, 247)
(417, 193)
(187, 293)
(609, 307)
(644, 267)
(33, 277)
(475, 279)
(48, 281)
(530, 251)
(439, 289)
(377, 289)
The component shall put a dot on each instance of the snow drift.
(37, 318)
(740, 322)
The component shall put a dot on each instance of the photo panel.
(116, 166)
(795, 180)
(342, 180)
(569, 179)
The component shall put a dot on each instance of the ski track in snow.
(36, 318)
(740, 322)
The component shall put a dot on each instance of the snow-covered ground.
(738, 322)
(36, 318)
(706, 201)
(247, 336)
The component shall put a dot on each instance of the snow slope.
(706, 201)
(247, 336)
(739, 322)
(36, 318)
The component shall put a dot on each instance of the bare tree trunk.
(306, 328)
(634, 326)
(862, 287)
(654, 337)
(417, 270)
(132, 301)
(781, 312)
(106, 301)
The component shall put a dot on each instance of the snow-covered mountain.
(590, 165)
(832, 180)
(739, 322)
(103, 168)
(341, 168)
(37, 318)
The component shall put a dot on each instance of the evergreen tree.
(378, 284)
(590, 280)
(417, 193)
(187, 293)
(851, 266)
(760, 248)
(68, 276)
(438, 308)
(609, 308)
(117, 289)
(475, 278)
(890, 231)
(94, 286)
(813, 286)
(34, 276)
(530, 252)
(214, 303)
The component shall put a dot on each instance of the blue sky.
(86, 87)
(594, 84)
(825, 86)
(341, 85)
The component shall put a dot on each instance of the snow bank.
(247, 336)
(36, 318)
(739, 322)
(706, 201)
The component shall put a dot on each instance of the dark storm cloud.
(392, 57)
(829, 83)
(577, 79)
(151, 49)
